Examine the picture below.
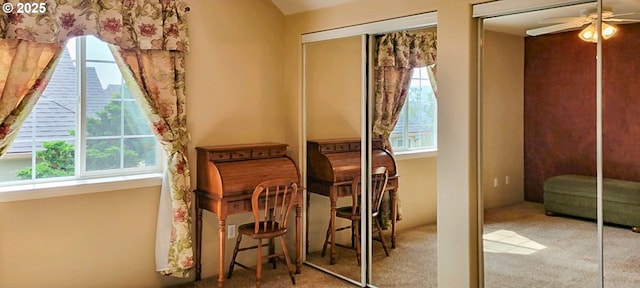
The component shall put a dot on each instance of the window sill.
(78, 187)
(415, 154)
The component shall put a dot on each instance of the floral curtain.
(396, 56)
(156, 80)
(129, 24)
(151, 36)
(25, 69)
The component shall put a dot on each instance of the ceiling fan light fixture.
(590, 33)
(608, 31)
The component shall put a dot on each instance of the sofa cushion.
(614, 190)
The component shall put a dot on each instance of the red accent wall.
(560, 103)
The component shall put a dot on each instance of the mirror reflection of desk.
(226, 178)
(331, 164)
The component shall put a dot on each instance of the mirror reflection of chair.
(379, 180)
(271, 203)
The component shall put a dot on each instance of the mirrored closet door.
(334, 75)
(403, 67)
(538, 147)
(620, 138)
(341, 148)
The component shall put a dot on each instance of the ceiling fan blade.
(554, 28)
(623, 14)
(563, 20)
(620, 20)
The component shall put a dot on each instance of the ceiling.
(515, 24)
(296, 6)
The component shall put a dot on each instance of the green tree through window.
(57, 158)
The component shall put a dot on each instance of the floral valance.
(407, 49)
(129, 24)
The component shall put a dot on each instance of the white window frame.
(81, 153)
(83, 181)
(401, 153)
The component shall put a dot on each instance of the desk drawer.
(240, 154)
(342, 147)
(327, 148)
(257, 153)
(238, 206)
(217, 156)
(280, 151)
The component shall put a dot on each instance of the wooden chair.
(379, 180)
(271, 203)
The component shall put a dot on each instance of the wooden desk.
(226, 177)
(330, 166)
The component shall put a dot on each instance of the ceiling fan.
(588, 16)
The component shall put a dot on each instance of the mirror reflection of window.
(417, 125)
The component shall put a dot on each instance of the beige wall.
(502, 109)
(235, 90)
(92, 240)
(334, 88)
(238, 92)
(235, 87)
(417, 191)
(456, 165)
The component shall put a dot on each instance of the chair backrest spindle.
(379, 180)
(275, 198)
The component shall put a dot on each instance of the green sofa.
(575, 195)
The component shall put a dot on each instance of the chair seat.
(271, 231)
(345, 212)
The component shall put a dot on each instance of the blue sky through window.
(108, 73)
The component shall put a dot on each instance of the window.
(85, 125)
(417, 126)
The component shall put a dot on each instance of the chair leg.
(353, 235)
(285, 250)
(326, 240)
(272, 250)
(235, 253)
(356, 231)
(384, 242)
(259, 264)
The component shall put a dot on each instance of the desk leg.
(332, 222)
(198, 240)
(394, 217)
(222, 236)
(299, 236)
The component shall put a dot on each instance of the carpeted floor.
(535, 250)
(523, 248)
(416, 246)
(411, 264)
